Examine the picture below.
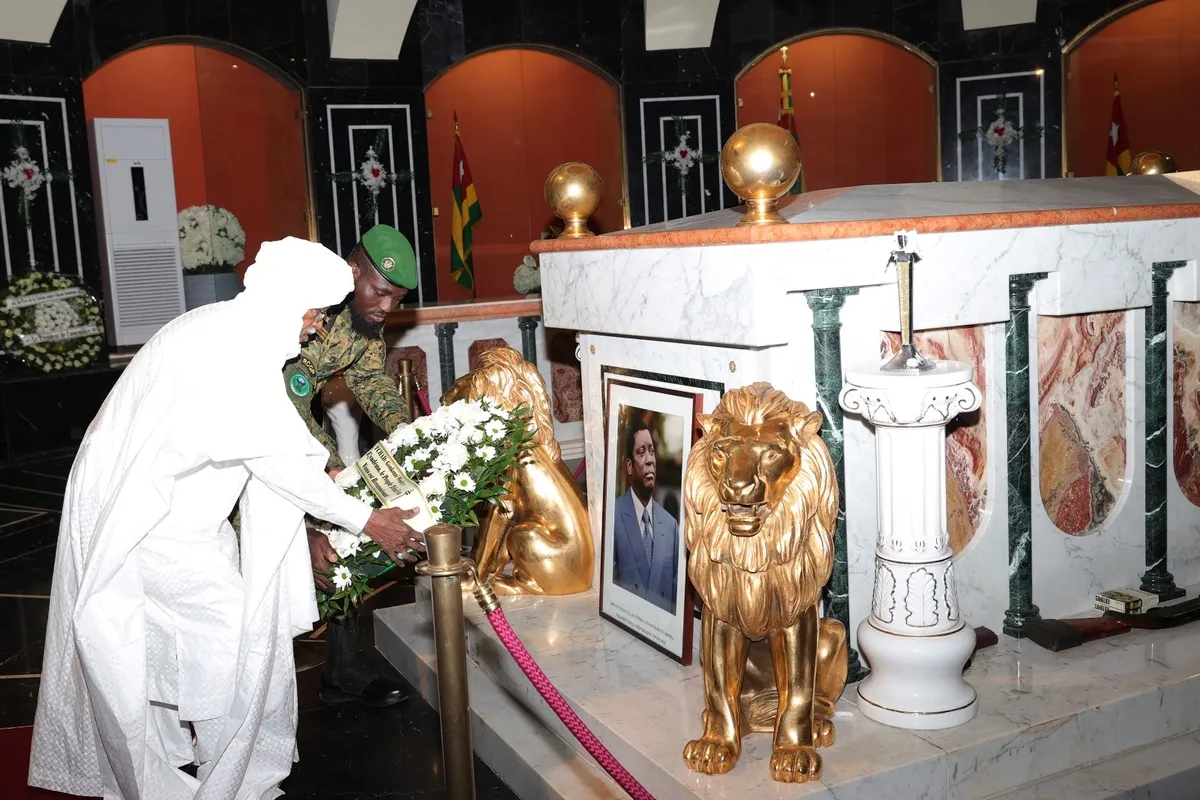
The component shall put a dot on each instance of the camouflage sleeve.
(303, 406)
(375, 390)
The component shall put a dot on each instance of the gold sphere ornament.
(1152, 162)
(760, 163)
(573, 192)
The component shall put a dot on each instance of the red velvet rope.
(564, 711)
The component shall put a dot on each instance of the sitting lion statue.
(541, 526)
(762, 505)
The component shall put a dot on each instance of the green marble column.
(445, 338)
(1157, 579)
(528, 326)
(1020, 470)
(826, 305)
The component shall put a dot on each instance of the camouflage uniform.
(361, 361)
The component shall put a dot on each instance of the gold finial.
(573, 193)
(1152, 162)
(784, 50)
(760, 162)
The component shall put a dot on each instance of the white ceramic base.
(916, 681)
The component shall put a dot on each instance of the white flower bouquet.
(211, 240)
(459, 457)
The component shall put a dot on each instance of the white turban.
(287, 279)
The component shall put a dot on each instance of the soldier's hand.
(335, 471)
(388, 529)
(323, 556)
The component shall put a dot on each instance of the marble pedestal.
(1099, 722)
(915, 638)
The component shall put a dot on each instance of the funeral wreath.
(459, 457)
(51, 322)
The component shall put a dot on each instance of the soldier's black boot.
(347, 678)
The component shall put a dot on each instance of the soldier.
(384, 268)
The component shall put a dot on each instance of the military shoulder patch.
(300, 385)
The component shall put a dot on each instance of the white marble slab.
(1041, 713)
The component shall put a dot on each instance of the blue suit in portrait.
(657, 581)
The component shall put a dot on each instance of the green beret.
(392, 255)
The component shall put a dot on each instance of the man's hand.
(334, 472)
(388, 529)
(323, 556)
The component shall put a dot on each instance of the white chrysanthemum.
(464, 482)
(453, 457)
(499, 413)
(344, 543)
(433, 485)
(1001, 132)
(406, 435)
(494, 429)
(473, 434)
(341, 577)
(485, 452)
(422, 454)
(57, 315)
(210, 236)
(409, 466)
(348, 477)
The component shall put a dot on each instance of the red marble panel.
(1081, 417)
(479, 347)
(566, 380)
(966, 441)
(1187, 399)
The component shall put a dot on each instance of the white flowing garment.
(157, 618)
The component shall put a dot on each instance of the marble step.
(1168, 770)
(1041, 714)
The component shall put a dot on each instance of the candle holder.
(907, 358)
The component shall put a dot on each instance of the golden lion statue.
(541, 526)
(761, 509)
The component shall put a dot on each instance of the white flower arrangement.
(28, 176)
(459, 456)
(1001, 133)
(527, 278)
(51, 322)
(373, 175)
(24, 173)
(57, 315)
(683, 156)
(211, 240)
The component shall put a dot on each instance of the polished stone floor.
(346, 752)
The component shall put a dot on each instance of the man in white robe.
(169, 641)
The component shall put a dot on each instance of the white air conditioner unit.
(138, 225)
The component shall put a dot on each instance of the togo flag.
(465, 214)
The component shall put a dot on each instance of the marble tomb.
(1066, 297)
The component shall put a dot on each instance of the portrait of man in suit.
(645, 535)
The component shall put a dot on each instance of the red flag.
(1118, 139)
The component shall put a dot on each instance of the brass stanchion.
(406, 382)
(445, 566)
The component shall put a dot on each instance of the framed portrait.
(649, 433)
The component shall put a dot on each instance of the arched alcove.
(521, 112)
(1154, 49)
(866, 107)
(237, 129)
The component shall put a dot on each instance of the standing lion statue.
(540, 527)
(762, 505)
